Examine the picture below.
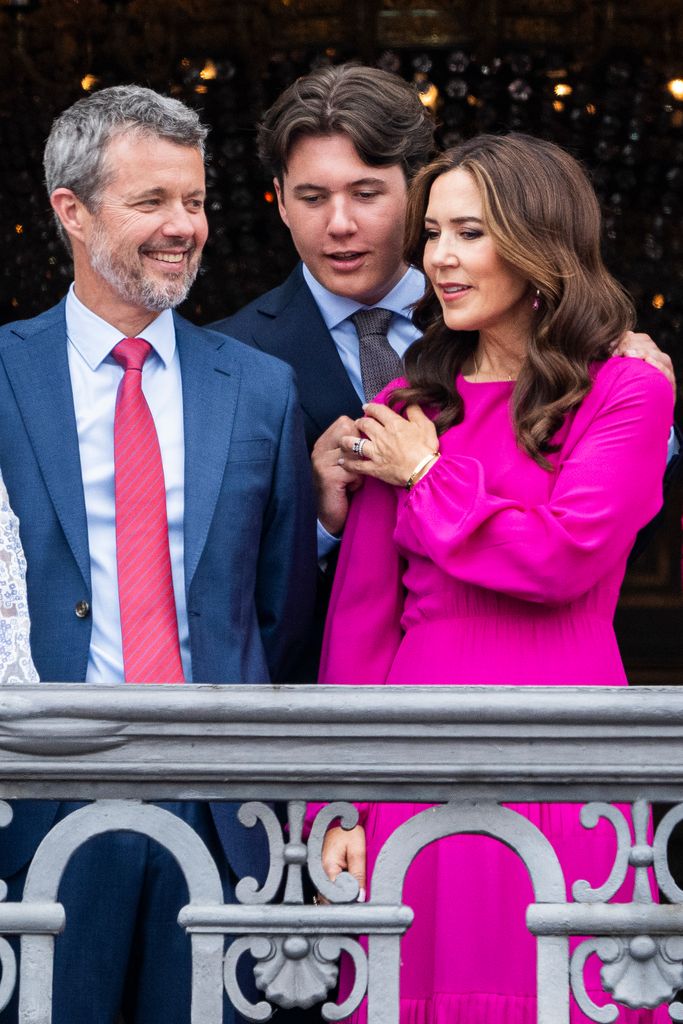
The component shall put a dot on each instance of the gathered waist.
(534, 649)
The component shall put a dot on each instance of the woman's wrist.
(421, 469)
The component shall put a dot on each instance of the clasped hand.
(395, 444)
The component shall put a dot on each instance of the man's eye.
(311, 200)
(367, 195)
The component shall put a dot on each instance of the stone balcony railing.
(467, 749)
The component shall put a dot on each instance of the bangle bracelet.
(422, 464)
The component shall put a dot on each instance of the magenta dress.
(492, 570)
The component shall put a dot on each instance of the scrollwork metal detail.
(638, 971)
(247, 889)
(295, 971)
(590, 815)
(345, 887)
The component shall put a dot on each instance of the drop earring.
(537, 301)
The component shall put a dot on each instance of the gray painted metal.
(466, 749)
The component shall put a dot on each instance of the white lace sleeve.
(16, 664)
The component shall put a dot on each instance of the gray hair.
(75, 152)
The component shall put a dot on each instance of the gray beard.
(132, 285)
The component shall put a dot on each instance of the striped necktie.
(149, 624)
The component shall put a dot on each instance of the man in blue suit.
(342, 144)
(125, 173)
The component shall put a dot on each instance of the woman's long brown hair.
(543, 215)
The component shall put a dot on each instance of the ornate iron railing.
(466, 749)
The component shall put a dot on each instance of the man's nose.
(342, 221)
(178, 223)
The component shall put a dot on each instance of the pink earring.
(537, 301)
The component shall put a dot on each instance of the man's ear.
(280, 193)
(71, 212)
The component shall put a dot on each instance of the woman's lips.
(453, 292)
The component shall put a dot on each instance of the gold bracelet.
(422, 464)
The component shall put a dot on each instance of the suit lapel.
(211, 380)
(38, 370)
(298, 335)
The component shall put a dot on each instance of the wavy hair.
(380, 113)
(543, 216)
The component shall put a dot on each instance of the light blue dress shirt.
(95, 377)
(336, 311)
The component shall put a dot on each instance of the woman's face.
(477, 289)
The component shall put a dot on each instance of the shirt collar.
(335, 308)
(94, 338)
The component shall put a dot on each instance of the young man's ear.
(280, 193)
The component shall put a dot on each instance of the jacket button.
(82, 609)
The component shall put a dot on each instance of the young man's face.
(346, 217)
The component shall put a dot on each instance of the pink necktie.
(149, 624)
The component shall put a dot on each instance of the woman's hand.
(641, 346)
(344, 850)
(395, 444)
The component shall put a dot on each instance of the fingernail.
(340, 461)
(361, 896)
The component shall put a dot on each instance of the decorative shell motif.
(645, 972)
(295, 973)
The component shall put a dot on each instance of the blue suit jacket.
(248, 524)
(286, 323)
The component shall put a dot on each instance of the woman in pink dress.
(507, 477)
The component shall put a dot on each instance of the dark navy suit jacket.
(286, 323)
(248, 522)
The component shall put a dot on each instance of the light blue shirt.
(336, 311)
(95, 377)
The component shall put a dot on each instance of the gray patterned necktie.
(378, 362)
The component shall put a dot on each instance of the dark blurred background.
(604, 79)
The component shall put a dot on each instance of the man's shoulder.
(252, 361)
(261, 319)
(52, 318)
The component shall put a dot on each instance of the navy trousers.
(122, 952)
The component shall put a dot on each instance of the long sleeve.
(363, 630)
(16, 664)
(608, 484)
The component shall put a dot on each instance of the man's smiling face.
(144, 241)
